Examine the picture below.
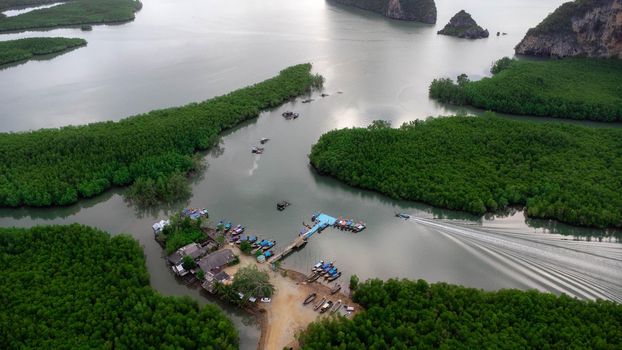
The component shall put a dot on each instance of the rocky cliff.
(462, 25)
(407, 10)
(591, 28)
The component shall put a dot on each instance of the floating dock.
(322, 221)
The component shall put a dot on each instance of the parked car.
(266, 300)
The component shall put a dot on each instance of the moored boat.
(332, 278)
(327, 306)
(335, 289)
(336, 307)
(313, 278)
(318, 305)
(309, 298)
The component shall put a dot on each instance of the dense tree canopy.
(59, 166)
(181, 231)
(74, 287)
(478, 164)
(23, 49)
(575, 88)
(73, 13)
(402, 314)
(9, 4)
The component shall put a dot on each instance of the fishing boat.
(308, 100)
(318, 305)
(327, 306)
(290, 115)
(323, 266)
(402, 216)
(264, 140)
(268, 245)
(317, 265)
(332, 278)
(227, 227)
(268, 254)
(309, 299)
(280, 206)
(238, 230)
(336, 307)
(257, 150)
(313, 278)
(358, 227)
(238, 239)
(335, 289)
(324, 95)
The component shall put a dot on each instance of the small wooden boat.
(324, 95)
(257, 150)
(290, 115)
(332, 278)
(280, 206)
(335, 289)
(327, 306)
(309, 299)
(308, 100)
(264, 140)
(318, 305)
(314, 278)
(336, 307)
(402, 216)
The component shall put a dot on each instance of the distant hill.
(407, 10)
(591, 28)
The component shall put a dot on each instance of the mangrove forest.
(75, 287)
(59, 166)
(478, 164)
(403, 314)
(574, 88)
(73, 13)
(23, 49)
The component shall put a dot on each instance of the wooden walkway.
(296, 244)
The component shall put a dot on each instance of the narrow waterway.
(174, 53)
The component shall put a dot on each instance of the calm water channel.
(178, 52)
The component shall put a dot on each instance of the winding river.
(178, 52)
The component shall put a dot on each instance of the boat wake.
(587, 270)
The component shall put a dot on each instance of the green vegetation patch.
(10, 4)
(402, 314)
(575, 88)
(478, 164)
(59, 166)
(23, 49)
(74, 287)
(73, 13)
(181, 231)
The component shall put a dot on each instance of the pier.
(322, 221)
